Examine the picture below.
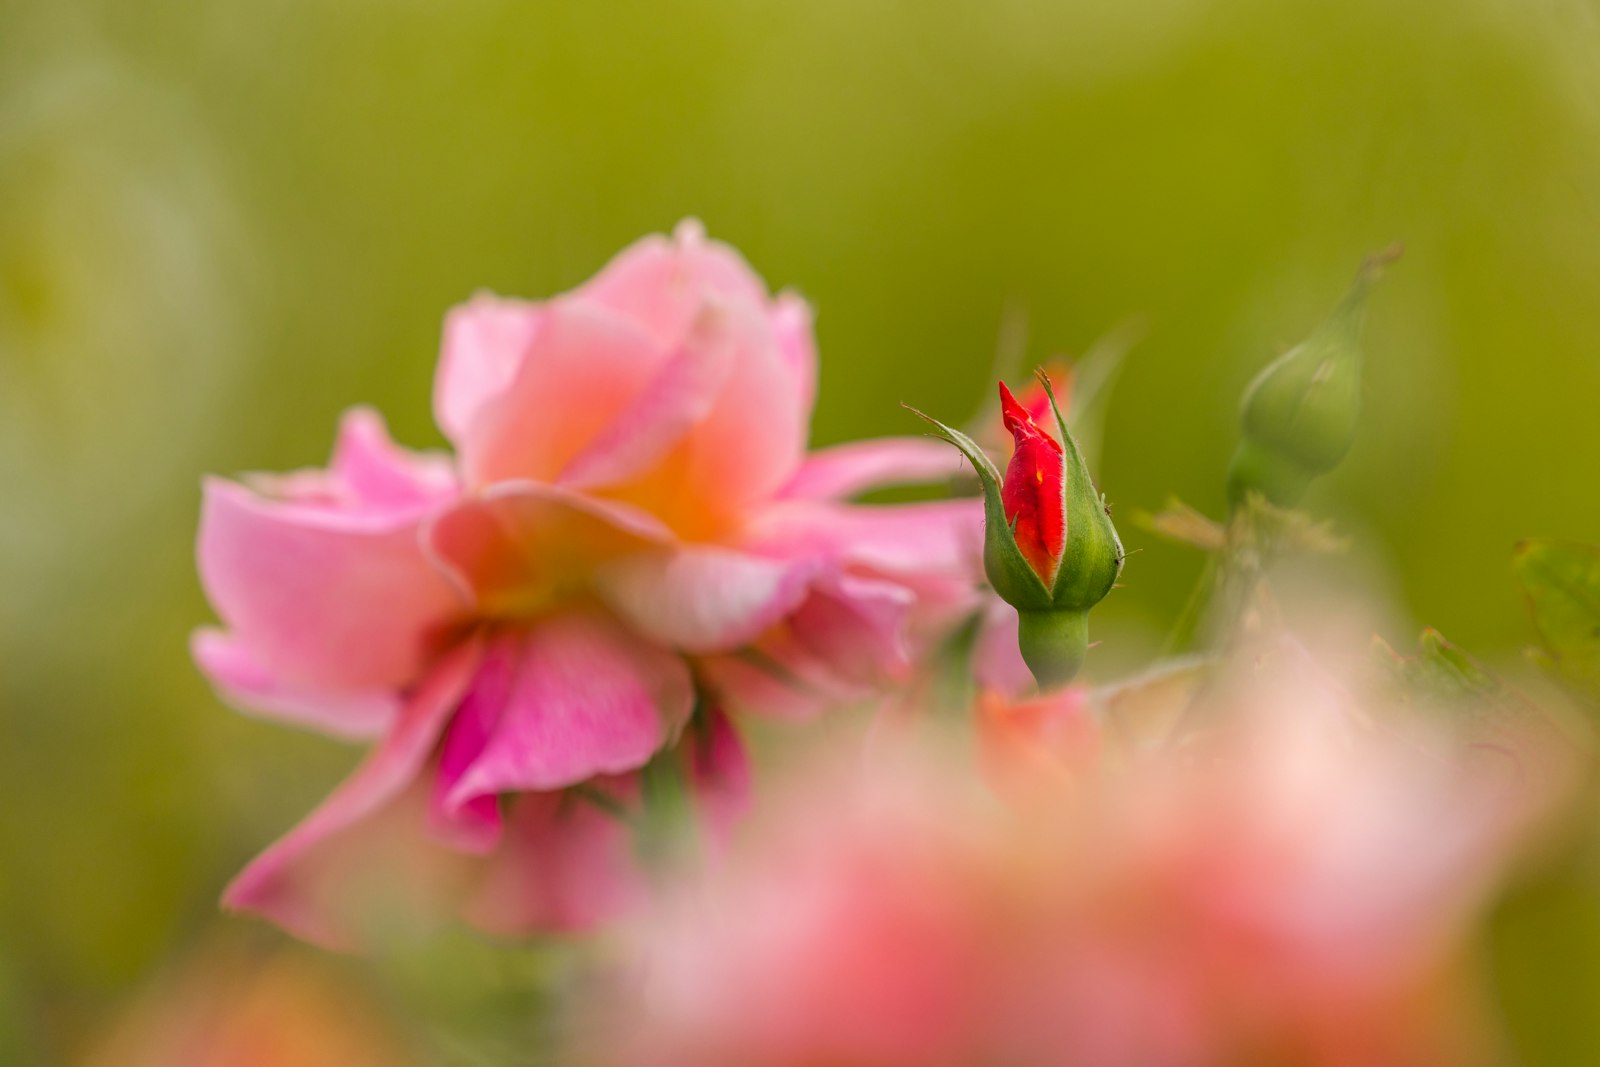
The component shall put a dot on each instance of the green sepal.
(1092, 556)
(1009, 572)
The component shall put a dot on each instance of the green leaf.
(1561, 582)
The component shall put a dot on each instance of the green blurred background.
(223, 222)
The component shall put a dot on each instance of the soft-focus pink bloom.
(1289, 885)
(630, 527)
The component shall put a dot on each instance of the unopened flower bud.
(1299, 414)
(1050, 549)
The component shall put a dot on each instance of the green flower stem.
(1053, 644)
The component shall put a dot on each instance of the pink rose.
(630, 529)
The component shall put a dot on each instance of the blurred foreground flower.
(629, 539)
(1286, 884)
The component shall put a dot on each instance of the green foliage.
(1561, 582)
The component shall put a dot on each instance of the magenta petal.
(244, 683)
(473, 824)
(846, 470)
(279, 883)
(485, 341)
(340, 603)
(589, 698)
(703, 598)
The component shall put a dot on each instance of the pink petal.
(380, 475)
(791, 326)
(244, 683)
(473, 825)
(754, 438)
(704, 598)
(369, 475)
(846, 470)
(518, 546)
(843, 644)
(731, 449)
(485, 341)
(287, 882)
(935, 540)
(719, 773)
(779, 678)
(683, 393)
(588, 698)
(566, 863)
(858, 627)
(584, 366)
(339, 603)
(661, 283)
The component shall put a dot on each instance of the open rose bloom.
(1291, 884)
(628, 545)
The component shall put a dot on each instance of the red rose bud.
(1034, 492)
(1299, 414)
(1050, 549)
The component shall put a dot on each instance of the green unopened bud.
(1050, 548)
(1299, 414)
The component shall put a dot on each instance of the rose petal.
(378, 474)
(485, 341)
(566, 863)
(583, 367)
(286, 883)
(704, 598)
(588, 698)
(943, 539)
(662, 283)
(369, 475)
(521, 546)
(683, 394)
(791, 326)
(846, 470)
(244, 683)
(719, 771)
(336, 603)
(473, 825)
(857, 626)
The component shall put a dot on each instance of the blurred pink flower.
(1289, 885)
(630, 528)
